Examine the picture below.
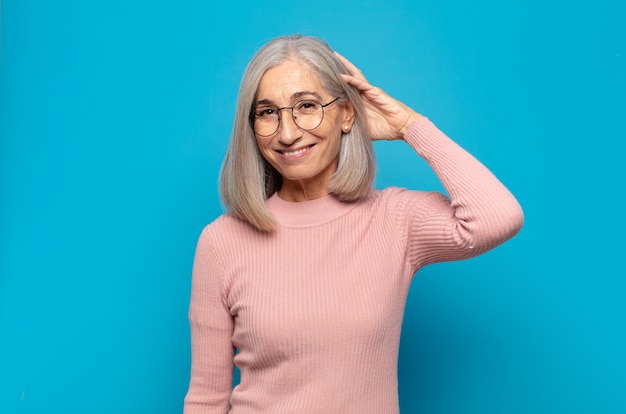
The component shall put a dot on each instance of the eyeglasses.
(307, 114)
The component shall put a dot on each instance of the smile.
(296, 153)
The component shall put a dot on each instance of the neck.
(302, 191)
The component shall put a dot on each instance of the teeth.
(296, 152)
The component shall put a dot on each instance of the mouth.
(297, 152)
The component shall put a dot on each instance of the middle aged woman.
(307, 273)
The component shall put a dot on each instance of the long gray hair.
(247, 179)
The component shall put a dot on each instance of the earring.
(346, 128)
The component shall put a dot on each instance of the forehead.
(287, 81)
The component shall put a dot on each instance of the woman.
(307, 274)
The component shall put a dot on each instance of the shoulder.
(219, 241)
(227, 233)
(401, 198)
(225, 221)
(410, 209)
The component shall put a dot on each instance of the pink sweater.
(315, 308)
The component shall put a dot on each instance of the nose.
(288, 131)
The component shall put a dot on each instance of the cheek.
(267, 154)
(333, 129)
(334, 137)
(263, 146)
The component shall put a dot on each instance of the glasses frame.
(253, 116)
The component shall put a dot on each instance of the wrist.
(413, 116)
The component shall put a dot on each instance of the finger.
(359, 83)
(353, 70)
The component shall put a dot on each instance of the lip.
(296, 153)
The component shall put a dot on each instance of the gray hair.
(247, 179)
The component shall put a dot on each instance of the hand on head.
(387, 118)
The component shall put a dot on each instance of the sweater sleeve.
(479, 215)
(211, 330)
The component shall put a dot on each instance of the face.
(306, 159)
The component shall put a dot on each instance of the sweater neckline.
(307, 213)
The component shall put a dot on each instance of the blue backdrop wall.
(115, 116)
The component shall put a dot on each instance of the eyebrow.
(295, 96)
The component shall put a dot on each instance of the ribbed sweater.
(315, 307)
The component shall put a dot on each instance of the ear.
(349, 114)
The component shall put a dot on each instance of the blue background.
(115, 116)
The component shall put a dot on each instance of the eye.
(307, 107)
(266, 113)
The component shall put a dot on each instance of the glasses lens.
(308, 114)
(265, 121)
